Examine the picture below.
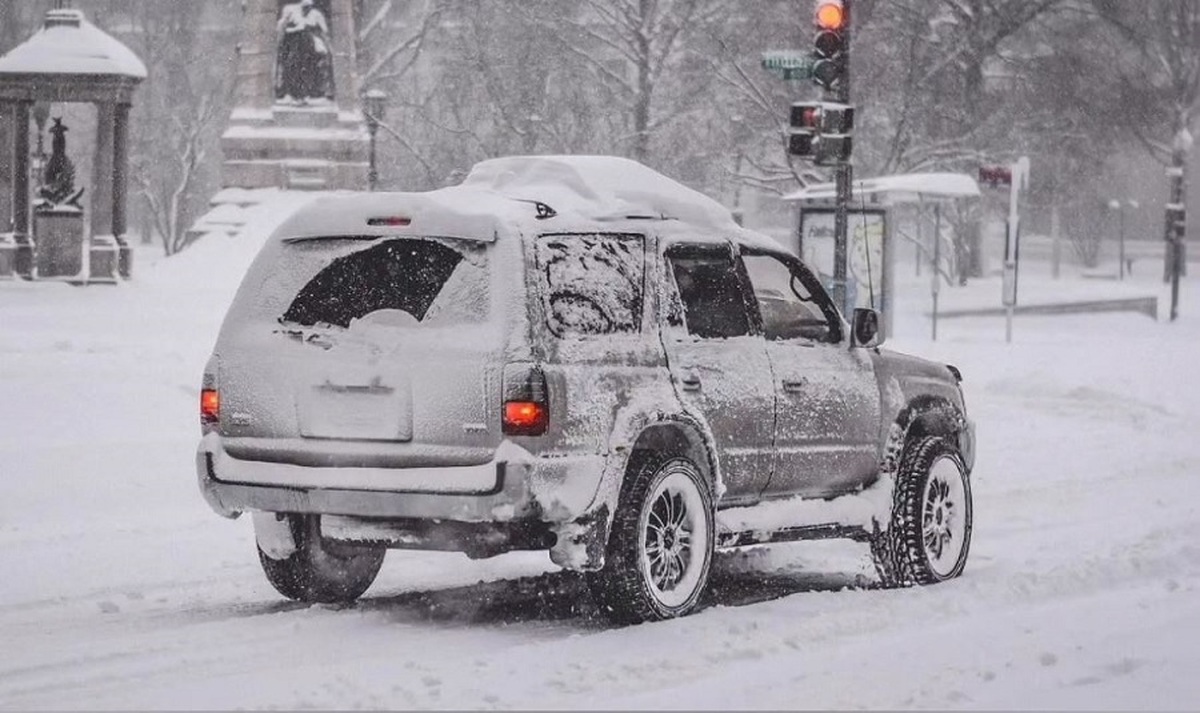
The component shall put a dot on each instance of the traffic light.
(830, 44)
(821, 131)
(1176, 222)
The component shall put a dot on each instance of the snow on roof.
(69, 44)
(908, 187)
(504, 190)
(598, 187)
(454, 212)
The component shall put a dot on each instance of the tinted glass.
(711, 292)
(591, 284)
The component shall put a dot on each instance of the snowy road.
(120, 589)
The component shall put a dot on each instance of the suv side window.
(790, 299)
(710, 287)
(591, 284)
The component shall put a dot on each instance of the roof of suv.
(523, 192)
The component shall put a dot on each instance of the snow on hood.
(69, 44)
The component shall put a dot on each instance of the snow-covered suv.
(573, 354)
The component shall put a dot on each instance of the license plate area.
(375, 411)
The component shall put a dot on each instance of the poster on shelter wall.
(865, 256)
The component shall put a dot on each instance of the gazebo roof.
(65, 56)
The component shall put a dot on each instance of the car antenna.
(862, 202)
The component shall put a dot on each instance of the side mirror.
(864, 328)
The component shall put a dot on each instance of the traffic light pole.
(844, 176)
(1175, 223)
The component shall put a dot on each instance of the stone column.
(6, 145)
(101, 246)
(256, 55)
(345, 59)
(7, 248)
(23, 258)
(120, 181)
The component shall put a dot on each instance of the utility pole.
(1176, 218)
(844, 178)
(821, 131)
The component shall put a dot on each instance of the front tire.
(661, 546)
(319, 570)
(929, 536)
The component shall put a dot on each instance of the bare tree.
(169, 203)
(179, 110)
(638, 51)
(1160, 87)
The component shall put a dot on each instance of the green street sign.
(789, 64)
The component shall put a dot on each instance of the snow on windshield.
(591, 284)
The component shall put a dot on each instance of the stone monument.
(58, 217)
(69, 60)
(296, 123)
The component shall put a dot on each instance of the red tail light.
(210, 407)
(526, 406)
(526, 418)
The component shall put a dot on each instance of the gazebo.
(70, 60)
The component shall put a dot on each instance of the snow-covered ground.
(120, 589)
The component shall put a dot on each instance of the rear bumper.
(507, 489)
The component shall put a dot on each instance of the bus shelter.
(877, 208)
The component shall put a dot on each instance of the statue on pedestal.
(304, 60)
(58, 180)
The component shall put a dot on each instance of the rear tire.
(321, 571)
(661, 547)
(929, 536)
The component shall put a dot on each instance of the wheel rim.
(944, 517)
(673, 537)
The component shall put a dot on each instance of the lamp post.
(374, 106)
(41, 114)
(1120, 207)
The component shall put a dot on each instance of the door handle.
(794, 385)
(690, 382)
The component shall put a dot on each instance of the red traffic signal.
(830, 15)
(820, 131)
(822, 117)
(805, 115)
(829, 46)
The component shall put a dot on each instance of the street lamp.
(41, 114)
(374, 106)
(1120, 207)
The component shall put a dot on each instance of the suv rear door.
(363, 352)
(718, 361)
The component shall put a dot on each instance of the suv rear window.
(591, 284)
(338, 281)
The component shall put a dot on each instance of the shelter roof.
(68, 59)
(903, 188)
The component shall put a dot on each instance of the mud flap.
(581, 543)
(274, 535)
